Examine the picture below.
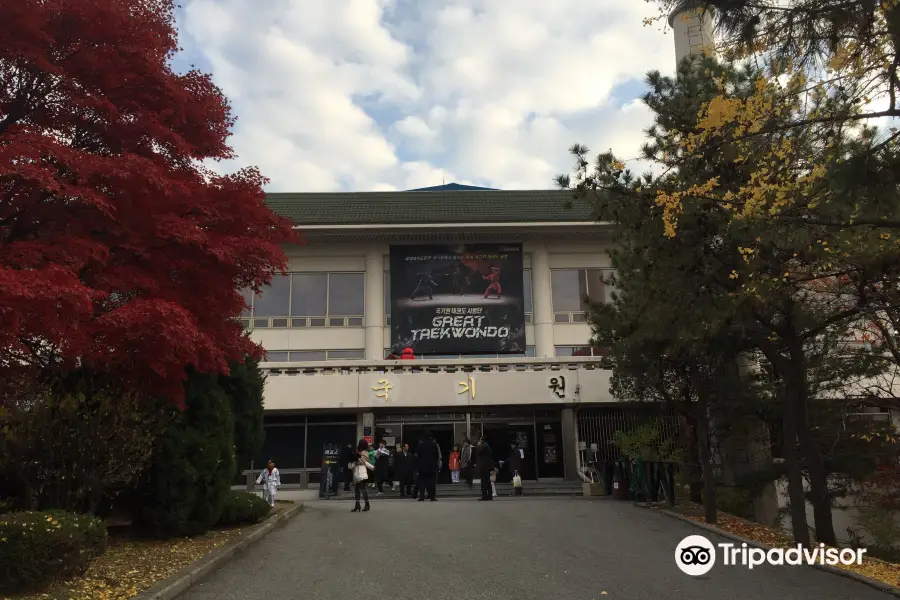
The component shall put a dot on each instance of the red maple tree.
(119, 250)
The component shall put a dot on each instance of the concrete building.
(326, 327)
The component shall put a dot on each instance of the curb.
(194, 573)
(879, 585)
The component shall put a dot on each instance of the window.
(357, 354)
(579, 351)
(308, 356)
(309, 294)
(346, 294)
(247, 295)
(529, 353)
(387, 298)
(526, 289)
(300, 300)
(570, 287)
(276, 300)
(315, 355)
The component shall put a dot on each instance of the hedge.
(37, 548)
(242, 508)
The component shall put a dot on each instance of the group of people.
(366, 468)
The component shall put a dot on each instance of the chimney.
(693, 29)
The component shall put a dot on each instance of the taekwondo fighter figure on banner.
(458, 299)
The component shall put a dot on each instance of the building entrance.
(506, 438)
(443, 435)
(526, 431)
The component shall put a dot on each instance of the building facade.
(326, 326)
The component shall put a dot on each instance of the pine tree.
(756, 273)
(184, 489)
(244, 386)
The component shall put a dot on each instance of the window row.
(300, 300)
(360, 354)
(315, 355)
(578, 351)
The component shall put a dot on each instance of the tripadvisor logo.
(695, 555)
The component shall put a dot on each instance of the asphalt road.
(513, 548)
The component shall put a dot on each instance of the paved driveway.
(513, 548)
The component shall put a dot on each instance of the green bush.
(37, 548)
(734, 501)
(184, 489)
(244, 387)
(243, 507)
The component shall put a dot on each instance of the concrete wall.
(845, 515)
(372, 258)
(693, 32)
(337, 388)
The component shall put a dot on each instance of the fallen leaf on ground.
(130, 566)
(874, 568)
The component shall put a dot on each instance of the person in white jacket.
(271, 481)
(361, 466)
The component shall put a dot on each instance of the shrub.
(244, 387)
(84, 440)
(37, 548)
(184, 489)
(735, 501)
(243, 507)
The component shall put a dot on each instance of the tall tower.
(693, 28)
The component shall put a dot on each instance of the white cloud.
(395, 94)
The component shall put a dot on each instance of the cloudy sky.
(366, 95)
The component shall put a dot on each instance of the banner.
(457, 299)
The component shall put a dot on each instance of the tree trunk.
(693, 468)
(709, 482)
(794, 473)
(702, 422)
(798, 397)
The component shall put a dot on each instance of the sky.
(376, 95)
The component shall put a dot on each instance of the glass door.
(549, 448)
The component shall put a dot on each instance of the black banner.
(328, 485)
(457, 299)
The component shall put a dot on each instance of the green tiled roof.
(495, 206)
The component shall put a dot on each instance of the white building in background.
(326, 327)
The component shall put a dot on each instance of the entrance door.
(550, 451)
(501, 437)
(443, 435)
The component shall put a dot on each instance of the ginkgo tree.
(120, 250)
(765, 269)
(829, 68)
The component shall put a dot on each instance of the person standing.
(485, 461)
(344, 459)
(382, 466)
(466, 461)
(514, 461)
(403, 469)
(427, 461)
(454, 464)
(371, 462)
(361, 467)
(271, 481)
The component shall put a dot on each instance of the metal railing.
(252, 474)
(439, 365)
